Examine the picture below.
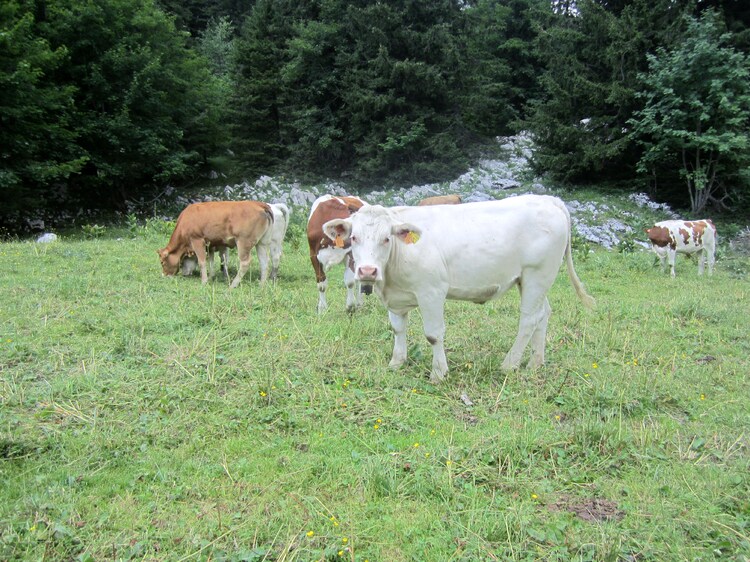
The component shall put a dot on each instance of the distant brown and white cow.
(669, 238)
(417, 257)
(216, 224)
(440, 200)
(325, 253)
(268, 248)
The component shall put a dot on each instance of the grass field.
(150, 418)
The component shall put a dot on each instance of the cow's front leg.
(671, 256)
(399, 323)
(433, 318)
(199, 247)
(351, 294)
(224, 256)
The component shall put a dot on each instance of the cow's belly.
(688, 248)
(479, 295)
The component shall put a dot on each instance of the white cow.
(268, 248)
(669, 238)
(417, 257)
(272, 242)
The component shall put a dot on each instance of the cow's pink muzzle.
(367, 273)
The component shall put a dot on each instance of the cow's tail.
(269, 214)
(587, 300)
(284, 211)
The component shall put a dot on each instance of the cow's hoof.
(396, 363)
(436, 378)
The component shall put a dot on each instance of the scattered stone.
(46, 238)
(466, 400)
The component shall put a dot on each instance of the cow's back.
(224, 221)
(514, 232)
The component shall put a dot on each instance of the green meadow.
(151, 418)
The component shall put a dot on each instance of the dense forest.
(105, 101)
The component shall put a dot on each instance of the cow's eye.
(387, 240)
(353, 239)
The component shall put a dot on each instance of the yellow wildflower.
(310, 534)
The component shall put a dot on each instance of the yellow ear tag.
(339, 242)
(412, 237)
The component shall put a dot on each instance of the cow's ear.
(407, 233)
(338, 230)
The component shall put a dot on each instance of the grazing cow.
(216, 223)
(324, 253)
(269, 246)
(440, 200)
(669, 238)
(417, 257)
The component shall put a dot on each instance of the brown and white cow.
(440, 200)
(417, 257)
(325, 253)
(216, 224)
(669, 238)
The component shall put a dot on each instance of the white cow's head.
(373, 233)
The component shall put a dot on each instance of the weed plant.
(151, 418)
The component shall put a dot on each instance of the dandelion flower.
(534, 497)
(594, 366)
(262, 393)
(345, 540)
(376, 426)
(703, 396)
(310, 534)
(341, 552)
(416, 445)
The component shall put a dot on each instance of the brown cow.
(216, 224)
(325, 253)
(440, 200)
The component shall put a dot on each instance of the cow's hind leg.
(533, 312)
(263, 261)
(539, 338)
(701, 260)
(399, 323)
(433, 317)
(243, 251)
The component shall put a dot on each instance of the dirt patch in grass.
(593, 510)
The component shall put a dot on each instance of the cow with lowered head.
(669, 238)
(418, 257)
(216, 224)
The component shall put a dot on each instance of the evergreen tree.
(141, 95)
(37, 116)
